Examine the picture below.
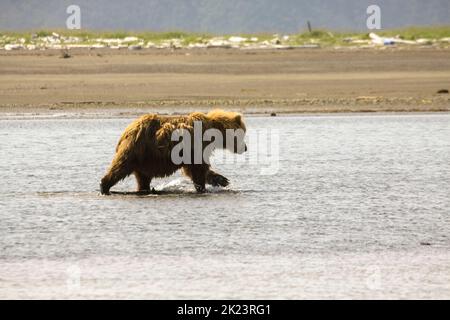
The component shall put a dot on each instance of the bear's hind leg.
(111, 178)
(121, 168)
(143, 182)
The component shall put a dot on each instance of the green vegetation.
(322, 37)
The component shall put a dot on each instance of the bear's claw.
(200, 188)
(219, 180)
(103, 190)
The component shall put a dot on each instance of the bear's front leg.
(215, 179)
(197, 172)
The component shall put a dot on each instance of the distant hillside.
(221, 16)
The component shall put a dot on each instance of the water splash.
(179, 185)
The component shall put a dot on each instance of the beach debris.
(442, 91)
(15, 46)
(97, 46)
(175, 43)
(65, 54)
(376, 39)
(130, 39)
(238, 40)
(197, 45)
(72, 40)
(356, 41)
(109, 41)
(422, 41)
(218, 42)
(80, 46)
(360, 41)
(275, 41)
(51, 40)
(307, 46)
(135, 47)
(402, 41)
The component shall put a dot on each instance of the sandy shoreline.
(120, 82)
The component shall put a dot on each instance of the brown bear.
(146, 148)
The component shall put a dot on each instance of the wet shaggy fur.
(145, 147)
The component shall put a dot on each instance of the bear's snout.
(240, 149)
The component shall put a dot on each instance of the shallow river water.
(331, 206)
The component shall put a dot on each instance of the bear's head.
(232, 127)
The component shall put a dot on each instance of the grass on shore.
(325, 37)
(322, 37)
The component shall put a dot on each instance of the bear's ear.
(238, 118)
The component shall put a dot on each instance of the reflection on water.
(358, 207)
